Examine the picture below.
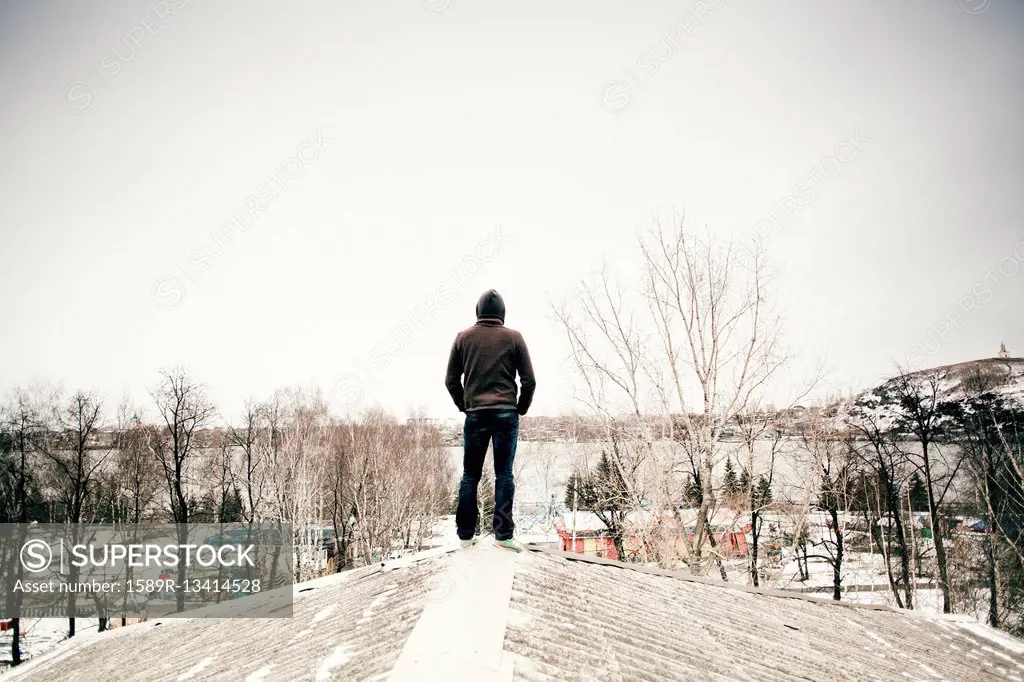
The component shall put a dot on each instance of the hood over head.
(491, 304)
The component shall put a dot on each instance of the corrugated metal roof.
(561, 619)
(591, 619)
(348, 626)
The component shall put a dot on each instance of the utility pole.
(574, 493)
(913, 544)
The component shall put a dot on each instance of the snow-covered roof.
(488, 614)
(582, 521)
(722, 519)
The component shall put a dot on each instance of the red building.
(592, 537)
(590, 534)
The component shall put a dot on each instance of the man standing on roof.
(481, 379)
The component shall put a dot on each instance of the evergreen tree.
(227, 509)
(106, 503)
(730, 483)
(918, 494)
(609, 485)
(762, 493)
(744, 481)
(574, 490)
(600, 490)
(694, 491)
(865, 493)
(202, 510)
(604, 492)
(231, 509)
(36, 506)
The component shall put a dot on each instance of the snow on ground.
(443, 533)
(864, 582)
(39, 635)
(926, 600)
(859, 568)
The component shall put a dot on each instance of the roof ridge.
(460, 632)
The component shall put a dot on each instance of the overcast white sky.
(134, 130)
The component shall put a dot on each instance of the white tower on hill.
(1002, 352)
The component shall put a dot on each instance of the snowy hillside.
(1002, 377)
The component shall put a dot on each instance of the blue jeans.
(482, 426)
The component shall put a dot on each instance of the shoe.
(510, 544)
(468, 543)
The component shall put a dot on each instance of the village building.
(585, 533)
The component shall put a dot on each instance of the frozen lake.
(542, 468)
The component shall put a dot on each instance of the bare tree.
(137, 480)
(990, 429)
(431, 473)
(298, 472)
(918, 404)
(794, 515)
(341, 506)
(75, 459)
(719, 337)
(222, 500)
(23, 424)
(876, 448)
(137, 472)
(550, 468)
(826, 441)
(697, 344)
(396, 479)
(252, 438)
(608, 351)
(757, 427)
(184, 411)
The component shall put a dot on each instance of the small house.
(585, 533)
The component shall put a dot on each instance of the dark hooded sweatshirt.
(484, 361)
